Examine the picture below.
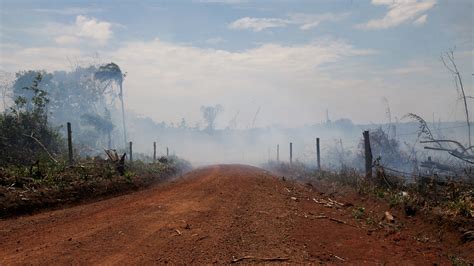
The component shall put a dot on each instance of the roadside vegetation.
(35, 171)
(446, 203)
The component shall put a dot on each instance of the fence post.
(131, 152)
(69, 143)
(154, 151)
(318, 155)
(291, 152)
(167, 152)
(278, 153)
(368, 155)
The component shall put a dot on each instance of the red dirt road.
(211, 215)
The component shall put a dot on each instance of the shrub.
(25, 135)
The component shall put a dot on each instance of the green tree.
(25, 134)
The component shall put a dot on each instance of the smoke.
(88, 97)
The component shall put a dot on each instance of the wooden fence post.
(368, 155)
(131, 152)
(154, 151)
(291, 152)
(278, 153)
(69, 143)
(167, 152)
(318, 155)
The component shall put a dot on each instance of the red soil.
(219, 214)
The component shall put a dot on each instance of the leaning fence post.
(291, 152)
(131, 154)
(278, 153)
(318, 154)
(69, 143)
(368, 155)
(154, 151)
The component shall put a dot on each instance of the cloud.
(293, 84)
(188, 76)
(69, 10)
(66, 39)
(421, 20)
(215, 40)
(309, 21)
(38, 58)
(399, 12)
(305, 21)
(258, 24)
(85, 30)
(93, 29)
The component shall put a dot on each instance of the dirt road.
(212, 215)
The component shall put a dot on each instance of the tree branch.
(42, 146)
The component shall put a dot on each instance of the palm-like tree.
(112, 72)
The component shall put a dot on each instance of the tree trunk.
(123, 117)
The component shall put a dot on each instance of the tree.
(6, 85)
(22, 86)
(24, 131)
(112, 72)
(209, 114)
(450, 64)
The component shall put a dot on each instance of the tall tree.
(112, 72)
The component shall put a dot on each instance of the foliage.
(45, 184)
(79, 98)
(108, 72)
(24, 131)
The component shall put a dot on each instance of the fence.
(130, 148)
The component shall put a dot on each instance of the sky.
(292, 61)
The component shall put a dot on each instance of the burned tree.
(112, 73)
(450, 64)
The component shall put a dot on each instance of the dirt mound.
(218, 214)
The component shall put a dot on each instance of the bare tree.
(450, 64)
(6, 85)
(210, 114)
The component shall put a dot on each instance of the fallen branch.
(234, 260)
(42, 146)
(337, 220)
(332, 219)
(335, 202)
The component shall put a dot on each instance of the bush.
(25, 135)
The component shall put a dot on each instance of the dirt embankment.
(224, 214)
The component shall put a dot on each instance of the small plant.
(395, 199)
(128, 176)
(358, 213)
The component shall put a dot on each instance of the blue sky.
(294, 59)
